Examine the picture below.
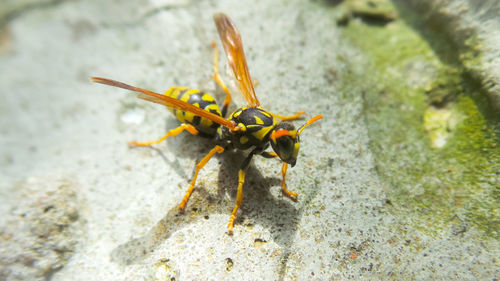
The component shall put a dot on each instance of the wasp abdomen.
(198, 99)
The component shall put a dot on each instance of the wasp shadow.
(259, 207)
(279, 215)
(172, 164)
(182, 146)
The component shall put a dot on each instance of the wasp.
(248, 128)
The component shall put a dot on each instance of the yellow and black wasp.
(247, 128)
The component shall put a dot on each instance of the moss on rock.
(435, 149)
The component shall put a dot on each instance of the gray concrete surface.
(60, 131)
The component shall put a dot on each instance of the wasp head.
(285, 142)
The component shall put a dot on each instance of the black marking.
(196, 98)
(181, 93)
(246, 116)
(197, 120)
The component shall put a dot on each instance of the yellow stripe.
(296, 149)
(185, 96)
(207, 97)
(258, 120)
(242, 127)
(174, 91)
(243, 139)
(188, 116)
(213, 106)
(260, 134)
(264, 112)
(178, 94)
(193, 91)
(179, 114)
(169, 93)
(206, 123)
(235, 114)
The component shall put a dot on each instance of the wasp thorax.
(285, 142)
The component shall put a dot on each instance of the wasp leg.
(199, 166)
(292, 195)
(171, 133)
(266, 154)
(239, 195)
(219, 81)
(290, 117)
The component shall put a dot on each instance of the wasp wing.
(231, 40)
(167, 101)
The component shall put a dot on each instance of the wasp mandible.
(247, 128)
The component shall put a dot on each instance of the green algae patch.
(437, 155)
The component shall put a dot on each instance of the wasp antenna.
(309, 122)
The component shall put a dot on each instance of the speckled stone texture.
(56, 125)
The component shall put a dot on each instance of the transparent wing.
(167, 101)
(231, 40)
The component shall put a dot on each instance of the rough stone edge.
(473, 28)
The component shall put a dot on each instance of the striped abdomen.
(197, 98)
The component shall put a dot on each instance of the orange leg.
(239, 195)
(269, 154)
(290, 117)
(219, 81)
(199, 166)
(239, 200)
(292, 195)
(171, 133)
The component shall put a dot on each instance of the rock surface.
(384, 192)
